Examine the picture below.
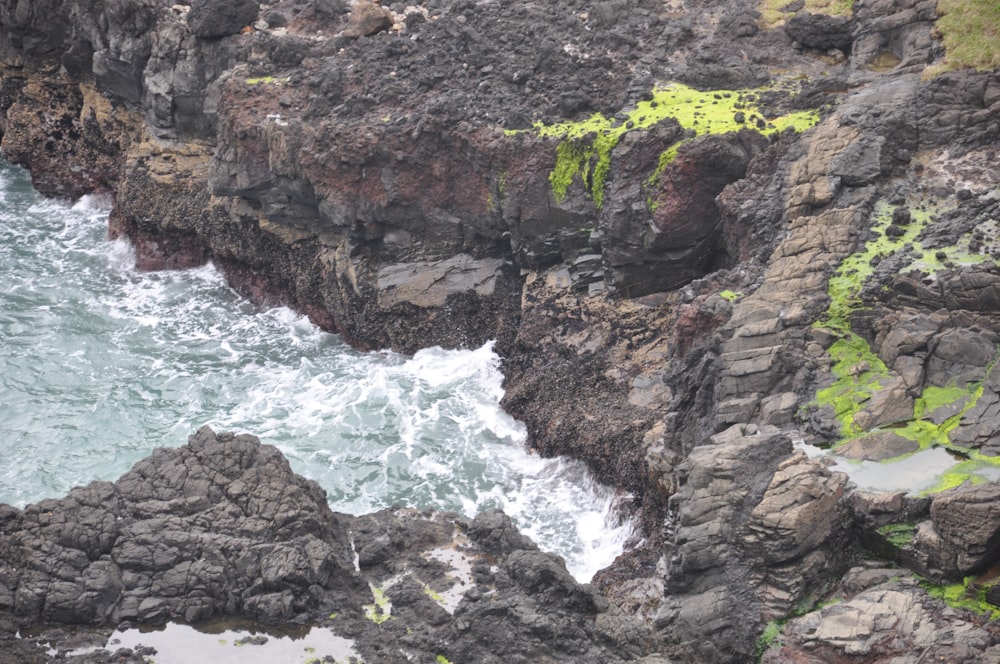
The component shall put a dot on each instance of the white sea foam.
(93, 204)
(100, 363)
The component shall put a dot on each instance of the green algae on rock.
(381, 609)
(587, 145)
(267, 80)
(860, 373)
(965, 595)
(898, 534)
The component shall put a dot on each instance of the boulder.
(219, 526)
(211, 19)
(820, 31)
(895, 621)
(756, 522)
(964, 530)
(367, 18)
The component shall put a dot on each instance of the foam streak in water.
(100, 363)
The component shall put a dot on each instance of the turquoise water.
(99, 364)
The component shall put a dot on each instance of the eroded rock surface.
(887, 618)
(222, 527)
(679, 306)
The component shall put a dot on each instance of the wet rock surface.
(886, 617)
(222, 527)
(686, 310)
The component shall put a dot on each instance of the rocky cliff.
(709, 237)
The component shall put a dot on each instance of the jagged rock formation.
(707, 280)
(222, 526)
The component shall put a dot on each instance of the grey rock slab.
(429, 283)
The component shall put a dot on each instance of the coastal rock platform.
(733, 255)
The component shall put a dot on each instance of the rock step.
(748, 371)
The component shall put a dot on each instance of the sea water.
(100, 364)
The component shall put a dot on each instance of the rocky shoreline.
(705, 243)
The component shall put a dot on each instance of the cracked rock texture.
(692, 318)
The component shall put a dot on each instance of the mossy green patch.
(379, 611)
(730, 296)
(898, 534)
(774, 12)
(859, 374)
(962, 253)
(964, 596)
(925, 428)
(769, 637)
(585, 150)
(971, 471)
(847, 281)
(858, 371)
(970, 30)
(441, 659)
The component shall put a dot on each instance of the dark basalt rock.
(210, 19)
(820, 31)
(667, 337)
(222, 527)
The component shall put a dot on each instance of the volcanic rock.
(679, 315)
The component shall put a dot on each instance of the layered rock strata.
(685, 289)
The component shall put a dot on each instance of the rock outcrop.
(690, 286)
(222, 527)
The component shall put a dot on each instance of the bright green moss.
(953, 478)
(379, 611)
(926, 432)
(730, 296)
(898, 534)
(935, 398)
(846, 283)
(585, 151)
(441, 659)
(969, 471)
(932, 261)
(571, 158)
(859, 374)
(964, 596)
(769, 637)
